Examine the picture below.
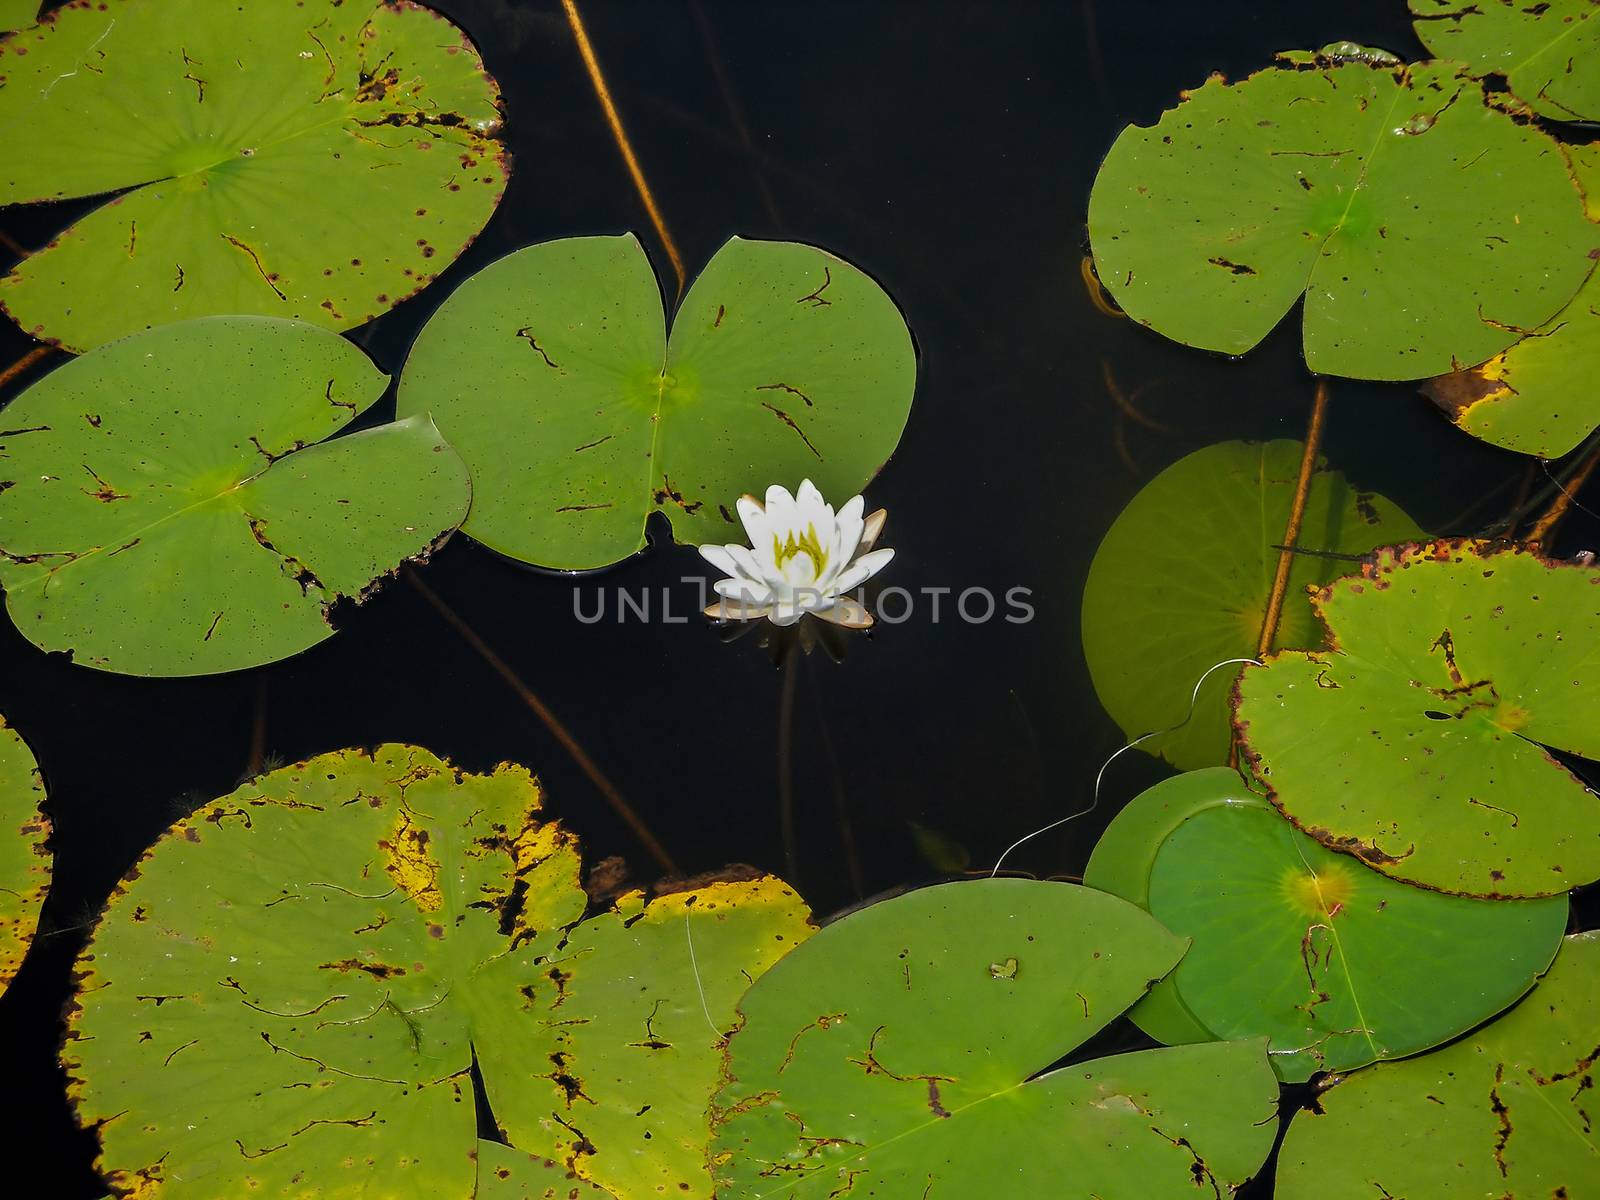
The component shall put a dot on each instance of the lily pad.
(552, 372)
(24, 858)
(634, 1055)
(164, 511)
(15, 14)
(1505, 1111)
(371, 925)
(1181, 582)
(1424, 226)
(321, 160)
(1538, 397)
(508, 1174)
(896, 1053)
(1121, 863)
(1548, 52)
(1337, 965)
(1418, 742)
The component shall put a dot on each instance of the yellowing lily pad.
(1505, 1111)
(1417, 743)
(1335, 964)
(1181, 581)
(1547, 51)
(1538, 397)
(1422, 224)
(553, 374)
(165, 508)
(24, 858)
(295, 982)
(508, 1174)
(318, 160)
(897, 1055)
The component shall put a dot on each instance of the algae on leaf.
(553, 373)
(896, 1054)
(1505, 1111)
(24, 859)
(170, 507)
(1423, 224)
(1181, 582)
(371, 925)
(1418, 741)
(318, 160)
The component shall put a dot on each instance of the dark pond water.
(948, 148)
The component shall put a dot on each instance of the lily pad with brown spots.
(553, 373)
(1507, 1111)
(311, 159)
(24, 857)
(904, 1052)
(1421, 740)
(288, 994)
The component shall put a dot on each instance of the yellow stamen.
(809, 542)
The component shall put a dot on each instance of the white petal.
(735, 610)
(756, 526)
(863, 569)
(746, 590)
(720, 558)
(784, 613)
(799, 571)
(847, 537)
(872, 527)
(848, 612)
(755, 566)
(808, 496)
(780, 510)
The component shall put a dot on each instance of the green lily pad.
(15, 14)
(1181, 582)
(1121, 863)
(894, 1055)
(1505, 1111)
(1424, 226)
(1336, 965)
(508, 1174)
(321, 160)
(1418, 742)
(1548, 52)
(552, 372)
(1538, 397)
(295, 982)
(163, 510)
(24, 858)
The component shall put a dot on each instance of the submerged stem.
(614, 120)
(551, 722)
(1297, 512)
(785, 763)
(1546, 524)
(23, 363)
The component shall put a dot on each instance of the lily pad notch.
(151, 529)
(553, 374)
(1318, 177)
(1449, 671)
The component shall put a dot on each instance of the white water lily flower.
(802, 558)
